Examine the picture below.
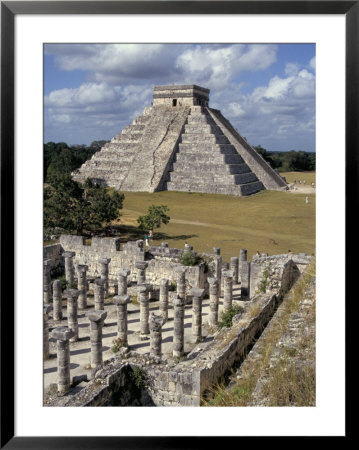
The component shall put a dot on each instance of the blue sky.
(267, 91)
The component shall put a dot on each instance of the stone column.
(228, 288)
(156, 323)
(225, 266)
(181, 282)
(104, 274)
(47, 280)
(82, 285)
(216, 251)
(164, 299)
(242, 257)
(69, 266)
(57, 299)
(72, 322)
(122, 281)
(245, 279)
(47, 309)
(96, 323)
(197, 295)
(234, 267)
(63, 335)
(121, 301)
(144, 311)
(213, 301)
(99, 294)
(141, 271)
(178, 327)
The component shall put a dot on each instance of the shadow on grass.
(132, 233)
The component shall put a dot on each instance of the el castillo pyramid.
(180, 144)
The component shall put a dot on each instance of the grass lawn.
(308, 177)
(269, 221)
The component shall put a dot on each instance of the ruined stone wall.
(161, 260)
(54, 253)
(274, 272)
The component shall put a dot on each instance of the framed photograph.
(78, 72)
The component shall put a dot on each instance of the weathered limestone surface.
(63, 335)
(96, 319)
(228, 289)
(82, 285)
(164, 299)
(57, 299)
(180, 144)
(197, 295)
(178, 327)
(47, 309)
(156, 323)
(47, 280)
(213, 300)
(161, 263)
(122, 301)
(72, 322)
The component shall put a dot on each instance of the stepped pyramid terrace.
(181, 144)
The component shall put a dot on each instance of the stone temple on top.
(179, 143)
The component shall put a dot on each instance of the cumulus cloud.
(280, 115)
(119, 79)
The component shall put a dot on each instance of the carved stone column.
(63, 335)
(141, 271)
(82, 285)
(228, 289)
(225, 266)
(69, 267)
(213, 301)
(122, 281)
(47, 309)
(156, 323)
(72, 322)
(234, 267)
(197, 295)
(245, 279)
(164, 299)
(99, 294)
(243, 253)
(104, 262)
(57, 299)
(122, 301)
(47, 280)
(178, 326)
(144, 311)
(96, 323)
(181, 282)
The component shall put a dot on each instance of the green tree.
(74, 207)
(156, 215)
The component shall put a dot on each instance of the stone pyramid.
(180, 144)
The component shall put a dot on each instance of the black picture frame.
(9, 9)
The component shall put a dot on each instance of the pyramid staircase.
(207, 162)
(111, 164)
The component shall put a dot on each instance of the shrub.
(117, 344)
(227, 316)
(189, 258)
(264, 283)
(138, 376)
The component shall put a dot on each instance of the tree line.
(291, 161)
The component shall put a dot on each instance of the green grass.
(270, 221)
(309, 177)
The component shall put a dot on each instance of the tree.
(74, 207)
(156, 215)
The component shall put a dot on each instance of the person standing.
(151, 235)
(146, 240)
